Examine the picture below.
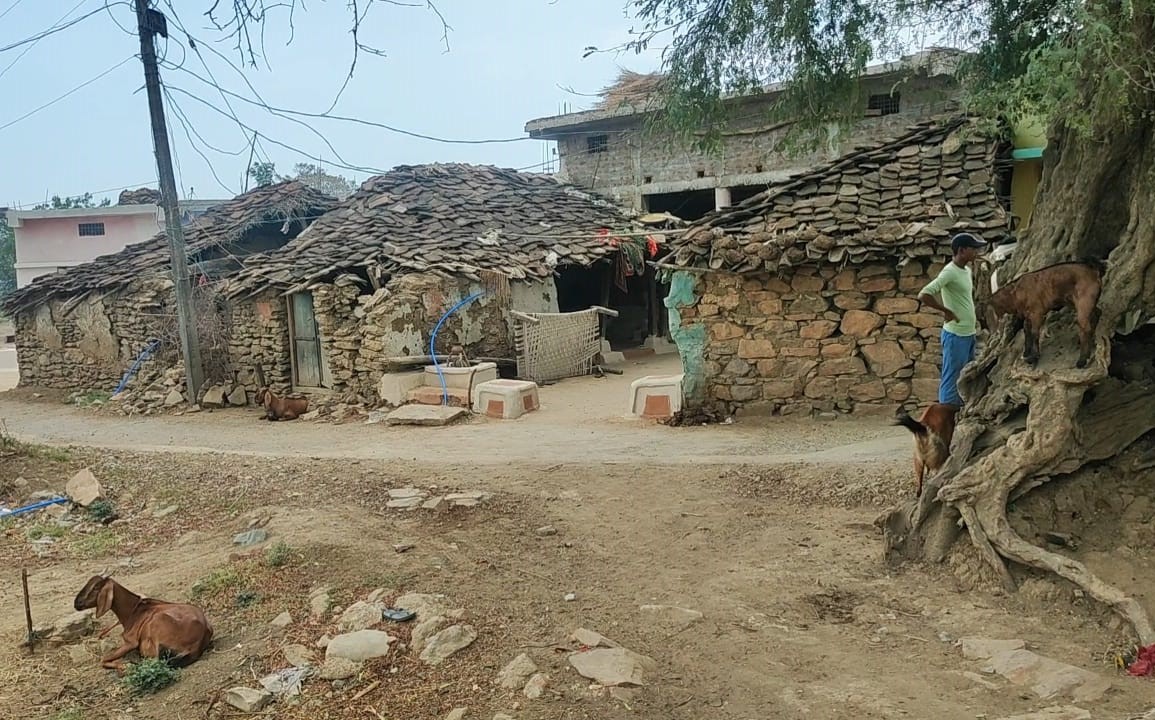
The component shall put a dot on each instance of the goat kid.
(932, 435)
(177, 632)
(1031, 297)
(279, 408)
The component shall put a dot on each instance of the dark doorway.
(639, 305)
(689, 205)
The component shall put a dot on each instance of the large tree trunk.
(1023, 427)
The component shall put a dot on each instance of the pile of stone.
(411, 498)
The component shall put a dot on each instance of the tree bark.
(1023, 427)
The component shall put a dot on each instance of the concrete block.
(394, 388)
(505, 399)
(656, 396)
(457, 377)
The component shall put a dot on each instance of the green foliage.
(1087, 65)
(278, 555)
(215, 583)
(247, 598)
(7, 258)
(263, 173)
(149, 676)
(102, 511)
(72, 203)
(98, 544)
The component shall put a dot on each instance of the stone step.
(425, 415)
(427, 395)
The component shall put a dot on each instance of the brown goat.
(279, 408)
(932, 435)
(1031, 297)
(177, 632)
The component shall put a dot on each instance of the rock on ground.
(977, 648)
(589, 638)
(298, 655)
(336, 668)
(247, 699)
(360, 616)
(238, 397)
(426, 606)
(214, 397)
(360, 645)
(174, 398)
(536, 686)
(282, 621)
(84, 488)
(320, 603)
(1048, 678)
(516, 673)
(252, 537)
(424, 630)
(457, 714)
(614, 666)
(447, 642)
(68, 629)
(1068, 712)
(670, 615)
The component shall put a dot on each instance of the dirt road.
(551, 435)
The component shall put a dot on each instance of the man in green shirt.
(952, 293)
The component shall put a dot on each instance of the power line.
(32, 45)
(189, 132)
(50, 103)
(52, 30)
(11, 7)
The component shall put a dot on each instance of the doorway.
(310, 369)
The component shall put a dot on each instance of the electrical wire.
(78, 88)
(11, 7)
(52, 30)
(32, 45)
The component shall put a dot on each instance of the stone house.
(370, 280)
(611, 150)
(82, 327)
(803, 298)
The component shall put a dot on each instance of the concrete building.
(51, 240)
(610, 151)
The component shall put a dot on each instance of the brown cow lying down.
(176, 632)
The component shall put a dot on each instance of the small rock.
(282, 621)
(320, 603)
(165, 511)
(503, 716)
(252, 537)
(248, 699)
(671, 616)
(426, 606)
(376, 595)
(424, 630)
(70, 628)
(589, 638)
(614, 666)
(298, 655)
(624, 694)
(174, 398)
(570, 597)
(403, 548)
(457, 714)
(83, 488)
(536, 686)
(945, 637)
(447, 642)
(1068, 712)
(360, 616)
(323, 641)
(470, 499)
(517, 672)
(405, 503)
(336, 668)
(546, 531)
(238, 397)
(310, 416)
(433, 503)
(214, 398)
(360, 645)
(976, 648)
(405, 493)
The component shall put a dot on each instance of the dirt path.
(556, 434)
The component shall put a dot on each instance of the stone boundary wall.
(820, 340)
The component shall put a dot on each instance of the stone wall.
(260, 338)
(638, 161)
(359, 330)
(818, 340)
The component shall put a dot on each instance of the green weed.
(149, 676)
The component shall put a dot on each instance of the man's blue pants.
(957, 351)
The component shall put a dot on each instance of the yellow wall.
(1024, 183)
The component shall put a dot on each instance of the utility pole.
(149, 24)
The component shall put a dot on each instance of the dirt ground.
(764, 527)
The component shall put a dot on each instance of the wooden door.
(307, 367)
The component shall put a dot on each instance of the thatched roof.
(631, 89)
(450, 219)
(290, 205)
(903, 197)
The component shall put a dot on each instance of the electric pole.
(151, 23)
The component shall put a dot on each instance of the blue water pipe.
(144, 354)
(34, 506)
(433, 344)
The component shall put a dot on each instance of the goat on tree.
(1084, 68)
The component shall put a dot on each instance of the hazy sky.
(500, 71)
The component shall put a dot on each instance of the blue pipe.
(34, 506)
(149, 350)
(433, 344)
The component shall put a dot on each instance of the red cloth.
(1144, 663)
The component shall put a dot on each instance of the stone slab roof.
(450, 219)
(219, 228)
(903, 197)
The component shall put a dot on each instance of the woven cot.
(558, 345)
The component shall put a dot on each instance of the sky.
(500, 71)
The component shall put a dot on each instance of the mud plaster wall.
(360, 329)
(90, 346)
(818, 340)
